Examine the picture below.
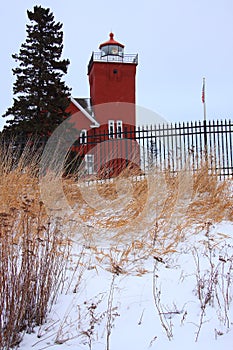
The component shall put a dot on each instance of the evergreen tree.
(41, 97)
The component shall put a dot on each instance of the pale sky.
(178, 41)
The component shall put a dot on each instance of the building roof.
(85, 103)
(80, 103)
(111, 41)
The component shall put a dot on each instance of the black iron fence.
(173, 147)
(188, 146)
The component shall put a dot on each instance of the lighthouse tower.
(112, 75)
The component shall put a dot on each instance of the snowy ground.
(182, 300)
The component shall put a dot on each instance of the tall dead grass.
(33, 249)
(149, 217)
(160, 213)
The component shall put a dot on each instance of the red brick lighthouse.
(112, 75)
(107, 119)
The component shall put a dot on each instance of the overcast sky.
(178, 42)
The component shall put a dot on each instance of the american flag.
(203, 91)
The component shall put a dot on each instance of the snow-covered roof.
(86, 111)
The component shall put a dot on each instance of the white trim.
(95, 123)
(111, 134)
(83, 137)
(119, 124)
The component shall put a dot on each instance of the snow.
(118, 310)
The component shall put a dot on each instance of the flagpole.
(203, 99)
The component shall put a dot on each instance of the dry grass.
(212, 199)
(151, 216)
(33, 251)
(129, 222)
(134, 219)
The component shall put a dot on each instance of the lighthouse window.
(113, 50)
(104, 51)
(111, 129)
(119, 129)
(83, 136)
(121, 51)
(115, 71)
(89, 163)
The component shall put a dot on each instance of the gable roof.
(86, 104)
(85, 109)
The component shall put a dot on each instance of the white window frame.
(119, 129)
(111, 129)
(89, 163)
(83, 137)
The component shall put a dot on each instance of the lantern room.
(111, 47)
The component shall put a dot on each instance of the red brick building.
(106, 120)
